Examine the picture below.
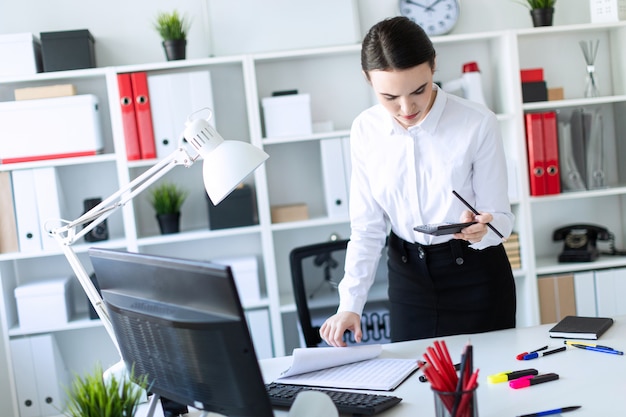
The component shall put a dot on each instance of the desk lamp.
(226, 164)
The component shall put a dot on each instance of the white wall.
(124, 34)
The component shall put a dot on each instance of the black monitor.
(180, 322)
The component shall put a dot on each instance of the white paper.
(313, 359)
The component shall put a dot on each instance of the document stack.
(512, 248)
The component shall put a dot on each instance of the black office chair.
(315, 273)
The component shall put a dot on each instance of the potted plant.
(541, 11)
(167, 199)
(173, 28)
(93, 395)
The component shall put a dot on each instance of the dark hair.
(396, 43)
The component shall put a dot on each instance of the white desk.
(594, 380)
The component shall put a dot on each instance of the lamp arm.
(66, 235)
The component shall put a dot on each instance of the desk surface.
(594, 380)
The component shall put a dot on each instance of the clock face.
(436, 17)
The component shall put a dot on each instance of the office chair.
(315, 273)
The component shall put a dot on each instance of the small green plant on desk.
(92, 395)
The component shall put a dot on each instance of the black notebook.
(578, 327)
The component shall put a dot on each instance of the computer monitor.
(180, 322)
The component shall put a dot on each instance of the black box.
(67, 50)
(534, 91)
(235, 210)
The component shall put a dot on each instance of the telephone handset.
(580, 241)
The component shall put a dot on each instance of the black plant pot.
(169, 223)
(175, 49)
(542, 17)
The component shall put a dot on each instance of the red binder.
(536, 160)
(551, 152)
(143, 115)
(131, 137)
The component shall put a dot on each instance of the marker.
(527, 381)
(521, 355)
(576, 342)
(509, 375)
(478, 214)
(534, 355)
(550, 412)
(598, 349)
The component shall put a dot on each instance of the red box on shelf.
(532, 75)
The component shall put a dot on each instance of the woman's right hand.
(335, 326)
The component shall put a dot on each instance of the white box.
(246, 273)
(44, 305)
(288, 115)
(607, 10)
(49, 128)
(21, 54)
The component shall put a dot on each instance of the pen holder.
(456, 403)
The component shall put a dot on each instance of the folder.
(143, 115)
(580, 122)
(131, 138)
(334, 177)
(585, 292)
(26, 213)
(40, 375)
(571, 178)
(8, 223)
(50, 205)
(173, 97)
(551, 153)
(610, 290)
(260, 332)
(536, 155)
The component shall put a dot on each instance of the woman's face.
(406, 94)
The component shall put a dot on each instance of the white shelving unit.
(293, 173)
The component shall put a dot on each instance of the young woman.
(409, 153)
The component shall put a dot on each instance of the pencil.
(477, 213)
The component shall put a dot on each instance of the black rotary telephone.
(580, 242)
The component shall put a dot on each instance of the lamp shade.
(226, 163)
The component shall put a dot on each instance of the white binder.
(334, 176)
(173, 97)
(40, 375)
(260, 332)
(26, 213)
(585, 293)
(610, 291)
(49, 204)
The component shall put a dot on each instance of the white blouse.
(402, 178)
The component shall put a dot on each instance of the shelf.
(77, 322)
(581, 102)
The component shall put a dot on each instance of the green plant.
(538, 4)
(92, 395)
(167, 198)
(172, 26)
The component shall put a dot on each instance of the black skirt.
(448, 288)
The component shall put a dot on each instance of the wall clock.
(436, 17)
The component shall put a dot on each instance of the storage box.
(534, 91)
(34, 130)
(21, 54)
(67, 50)
(47, 91)
(44, 305)
(607, 10)
(289, 213)
(236, 210)
(288, 115)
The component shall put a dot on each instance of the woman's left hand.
(475, 232)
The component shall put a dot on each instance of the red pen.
(529, 380)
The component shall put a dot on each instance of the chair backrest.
(316, 270)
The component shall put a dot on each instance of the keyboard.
(357, 403)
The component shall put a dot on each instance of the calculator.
(438, 229)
